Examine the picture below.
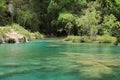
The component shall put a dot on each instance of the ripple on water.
(49, 60)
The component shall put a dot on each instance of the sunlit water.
(52, 59)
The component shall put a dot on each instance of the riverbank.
(87, 39)
(16, 33)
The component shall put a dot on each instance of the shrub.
(87, 39)
(17, 28)
(73, 38)
(37, 35)
(106, 39)
(21, 30)
(78, 39)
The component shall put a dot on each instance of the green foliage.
(37, 35)
(25, 16)
(2, 5)
(86, 18)
(107, 3)
(109, 23)
(67, 19)
(111, 26)
(105, 39)
(89, 22)
(20, 30)
(99, 39)
(117, 1)
(78, 39)
(52, 6)
(63, 5)
(72, 38)
(61, 10)
(116, 32)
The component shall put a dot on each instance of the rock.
(14, 37)
(10, 40)
(0, 41)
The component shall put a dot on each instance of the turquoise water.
(53, 59)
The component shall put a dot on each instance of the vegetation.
(87, 39)
(90, 18)
(15, 32)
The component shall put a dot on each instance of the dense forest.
(64, 17)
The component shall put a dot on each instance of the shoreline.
(16, 34)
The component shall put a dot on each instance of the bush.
(73, 38)
(37, 35)
(106, 39)
(87, 39)
(78, 39)
(17, 28)
(21, 30)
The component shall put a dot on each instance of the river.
(53, 59)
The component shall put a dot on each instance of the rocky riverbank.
(15, 34)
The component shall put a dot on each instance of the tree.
(25, 16)
(3, 8)
(90, 21)
(116, 30)
(108, 23)
(67, 19)
(59, 8)
(111, 27)
(2, 4)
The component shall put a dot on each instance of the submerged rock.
(94, 66)
(87, 63)
(110, 63)
(95, 70)
(54, 46)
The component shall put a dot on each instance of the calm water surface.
(53, 59)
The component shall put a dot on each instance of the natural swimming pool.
(53, 59)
